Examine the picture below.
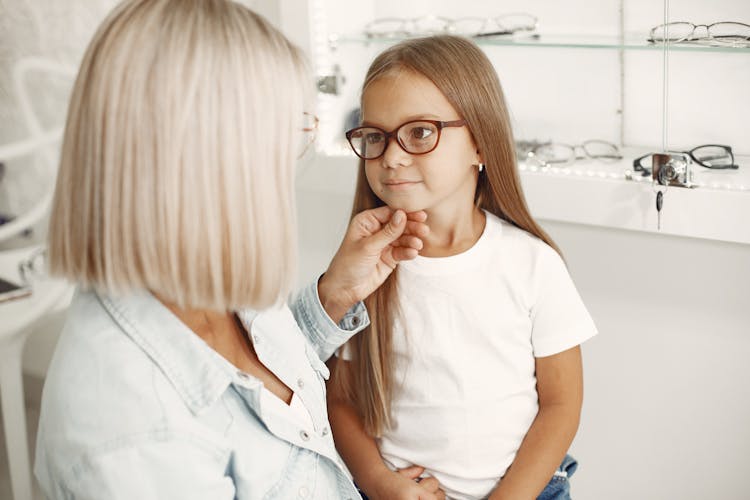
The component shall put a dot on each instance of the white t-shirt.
(464, 346)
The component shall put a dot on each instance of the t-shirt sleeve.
(559, 318)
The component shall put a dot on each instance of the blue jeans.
(558, 488)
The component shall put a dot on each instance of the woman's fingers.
(417, 228)
(408, 241)
(419, 216)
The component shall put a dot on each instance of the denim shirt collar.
(198, 373)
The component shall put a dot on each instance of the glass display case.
(583, 73)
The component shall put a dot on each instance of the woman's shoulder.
(100, 385)
(93, 352)
(103, 395)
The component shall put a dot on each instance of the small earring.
(481, 166)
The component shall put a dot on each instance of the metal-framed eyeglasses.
(416, 137)
(504, 24)
(559, 154)
(725, 33)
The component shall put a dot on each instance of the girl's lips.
(399, 185)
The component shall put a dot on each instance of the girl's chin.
(406, 207)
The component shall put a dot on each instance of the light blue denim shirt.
(136, 406)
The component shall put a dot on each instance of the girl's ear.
(480, 159)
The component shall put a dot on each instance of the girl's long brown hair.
(467, 78)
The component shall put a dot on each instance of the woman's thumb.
(391, 231)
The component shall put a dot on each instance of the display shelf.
(703, 178)
(598, 194)
(564, 41)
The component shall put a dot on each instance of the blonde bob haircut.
(178, 158)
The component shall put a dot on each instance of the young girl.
(470, 371)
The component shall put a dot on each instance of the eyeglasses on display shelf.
(559, 154)
(505, 24)
(502, 25)
(713, 156)
(309, 131)
(721, 34)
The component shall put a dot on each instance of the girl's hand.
(402, 485)
(375, 242)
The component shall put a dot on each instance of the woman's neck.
(219, 329)
(452, 232)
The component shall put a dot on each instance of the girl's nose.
(394, 156)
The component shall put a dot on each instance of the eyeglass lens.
(517, 22)
(713, 156)
(414, 137)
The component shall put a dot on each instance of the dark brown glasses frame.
(440, 125)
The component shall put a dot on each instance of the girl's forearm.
(357, 448)
(541, 452)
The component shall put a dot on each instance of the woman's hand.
(403, 485)
(375, 242)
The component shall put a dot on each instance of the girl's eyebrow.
(424, 116)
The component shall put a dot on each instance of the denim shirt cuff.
(322, 332)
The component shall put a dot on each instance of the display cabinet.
(586, 72)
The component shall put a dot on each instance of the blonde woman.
(470, 372)
(181, 373)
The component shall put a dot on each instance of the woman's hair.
(177, 164)
(466, 77)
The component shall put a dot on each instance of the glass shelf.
(703, 178)
(631, 42)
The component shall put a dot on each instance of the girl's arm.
(559, 382)
(361, 454)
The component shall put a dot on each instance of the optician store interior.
(610, 108)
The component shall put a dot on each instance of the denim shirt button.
(300, 383)
(304, 435)
(355, 320)
(303, 492)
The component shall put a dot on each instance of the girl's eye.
(421, 133)
(374, 138)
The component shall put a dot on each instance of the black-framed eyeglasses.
(416, 137)
(722, 33)
(714, 156)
